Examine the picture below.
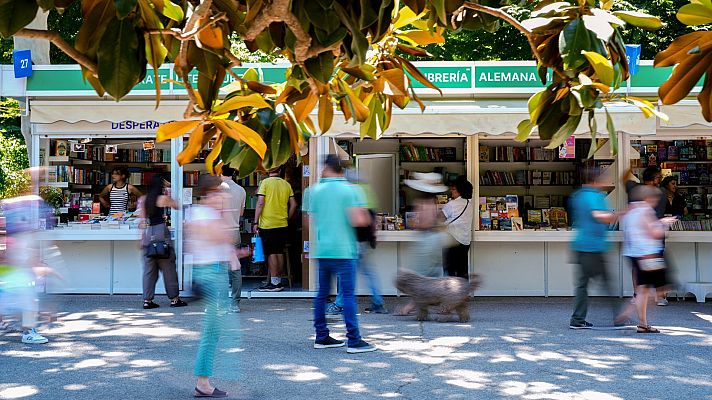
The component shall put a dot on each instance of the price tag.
(149, 145)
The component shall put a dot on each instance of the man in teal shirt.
(591, 218)
(337, 207)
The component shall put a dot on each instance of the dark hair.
(122, 171)
(463, 186)
(667, 181)
(643, 192)
(155, 189)
(650, 173)
(333, 162)
(228, 171)
(207, 182)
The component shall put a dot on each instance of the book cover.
(545, 216)
(558, 218)
(494, 220)
(542, 202)
(697, 201)
(517, 224)
(709, 201)
(485, 221)
(501, 204)
(662, 152)
(483, 204)
(512, 202)
(534, 216)
(672, 153)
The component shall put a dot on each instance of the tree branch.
(499, 13)
(57, 40)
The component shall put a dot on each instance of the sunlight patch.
(355, 387)
(91, 363)
(18, 392)
(75, 386)
(146, 363)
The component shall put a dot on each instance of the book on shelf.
(517, 224)
(412, 152)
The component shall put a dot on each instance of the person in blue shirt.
(337, 207)
(591, 219)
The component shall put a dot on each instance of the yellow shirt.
(276, 209)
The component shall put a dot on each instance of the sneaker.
(376, 309)
(235, 309)
(333, 309)
(32, 337)
(271, 288)
(581, 325)
(662, 302)
(328, 343)
(8, 327)
(360, 347)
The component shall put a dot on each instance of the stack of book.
(412, 152)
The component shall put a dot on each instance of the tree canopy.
(351, 55)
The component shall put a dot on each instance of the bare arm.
(627, 176)
(292, 208)
(258, 210)
(167, 201)
(604, 217)
(103, 196)
(134, 191)
(215, 231)
(655, 227)
(359, 216)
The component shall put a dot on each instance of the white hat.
(430, 182)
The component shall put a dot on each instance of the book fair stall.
(521, 225)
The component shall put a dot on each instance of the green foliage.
(653, 44)
(67, 24)
(13, 161)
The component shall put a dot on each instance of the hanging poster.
(568, 149)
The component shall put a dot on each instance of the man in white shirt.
(232, 214)
(458, 218)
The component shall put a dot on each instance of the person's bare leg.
(204, 384)
(275, 263)
(641, 303)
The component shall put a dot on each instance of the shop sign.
(506, 77)
(135, 125)
(22, 62)
(446, 76)
(63, 80)
(632, 54)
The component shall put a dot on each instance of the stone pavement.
(106, 347)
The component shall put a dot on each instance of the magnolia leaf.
(175, 129)
(405, 16)
(253, 9)
(599, 26)
(213, 155)
(524, 130)
(245, 162)
(539, 102)
(534, 24)
(647, 107)
(239, 131)
(124, 7)
(396, 81)
(593, 130)
(119, 63)
(705, 97)
(684, 77)
(212, 37)
(639, 19)
(695, 14)
(439, 8)
(261, 88)
(678, 50)
(172, 11)
(612, 134)
(195, 144)
(421, 38)
(413, 50)
(326, 112)
(552, 8)
(236, 102)
(302, 108)
(295, 132)
(564, 132)
(95, 22)
(602, 66)
(321, 67)
(572, 40)
(359, 110)
(360, 72)
(415, 73)
(15, 15)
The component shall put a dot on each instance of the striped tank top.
(119, 199)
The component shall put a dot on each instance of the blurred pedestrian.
(212, 244)
(153, 208)
(336, 207)
(232, 213)
(275, 207)
(643, 245)
(458, 219)
(591, 220)
(25, 216)
(675, 205)
(366, 237)
(425, 254)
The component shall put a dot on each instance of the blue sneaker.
(333, 309)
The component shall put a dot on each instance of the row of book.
(98, 153)
(696, 225)
(252, 180)
(652, 154)
(516, 153)
(82, 176)
(524, 177)
(190, 178)
(412, 152)
(689, 173)
(141, 177)
(512, 212)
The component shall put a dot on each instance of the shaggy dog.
(450, 293)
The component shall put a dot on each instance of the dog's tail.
(475, 282)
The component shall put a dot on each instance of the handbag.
(158, 249)
(651, 264)
(258, 254)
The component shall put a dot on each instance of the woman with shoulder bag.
(643, 245)
(155, 242)
(458, 219)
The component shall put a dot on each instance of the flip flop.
(215, 394)
(647, 329)
(399, 313)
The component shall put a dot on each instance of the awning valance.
(495, 117)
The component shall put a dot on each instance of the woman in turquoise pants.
(212, 246)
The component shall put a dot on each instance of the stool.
(699, 289)
(287, 267)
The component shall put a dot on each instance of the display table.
(95, 261)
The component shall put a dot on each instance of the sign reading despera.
(135, 125)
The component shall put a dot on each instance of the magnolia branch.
(278, 11)
(57, 40)
(180, 35)
(499, 13)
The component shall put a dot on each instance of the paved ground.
(109, 348)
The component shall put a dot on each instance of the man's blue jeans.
(369, 272)
(345, 270)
